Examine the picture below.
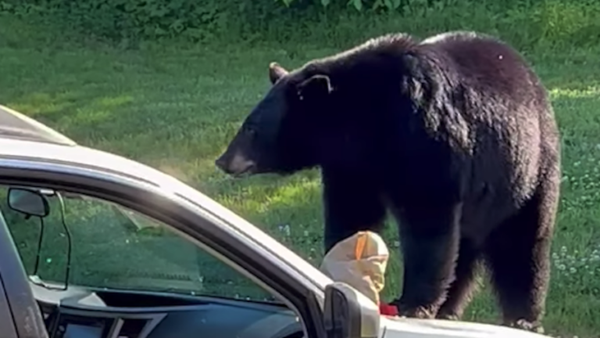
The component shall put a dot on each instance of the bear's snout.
(221, 163)
(235, 164)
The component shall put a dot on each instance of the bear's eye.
(250, 131)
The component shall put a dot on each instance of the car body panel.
(397, 327)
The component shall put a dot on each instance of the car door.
(203, 229)
(19, 315)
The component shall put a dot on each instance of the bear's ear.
(315, 87)
(276, 72)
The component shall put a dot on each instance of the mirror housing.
(28, 202)
(349, 314)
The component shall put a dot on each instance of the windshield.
(117, 248)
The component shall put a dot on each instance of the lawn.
(175, 109)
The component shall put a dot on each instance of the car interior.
(119, 297)
(88, 313)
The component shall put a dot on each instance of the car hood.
(396, 327)
(14, 125)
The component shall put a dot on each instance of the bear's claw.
(523, 324)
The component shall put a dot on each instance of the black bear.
(454, 135)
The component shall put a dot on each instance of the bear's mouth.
(245, 172)
(236, 167)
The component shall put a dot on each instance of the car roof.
(42, 144)
(14, 125)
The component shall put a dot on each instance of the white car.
(105, 278)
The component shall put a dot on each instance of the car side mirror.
(28, 202)
(349, 313)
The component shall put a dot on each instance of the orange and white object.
(360, 261)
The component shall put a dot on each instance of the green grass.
(175, 109)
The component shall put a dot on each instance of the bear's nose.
(221, 163)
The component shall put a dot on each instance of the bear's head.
(305, 120)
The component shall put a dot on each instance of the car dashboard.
(80, 312)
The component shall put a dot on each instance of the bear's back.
(487, 65)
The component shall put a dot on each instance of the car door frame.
(295, 289)
(17, 318)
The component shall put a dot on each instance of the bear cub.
(453, 135)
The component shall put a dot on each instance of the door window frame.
(295, 290)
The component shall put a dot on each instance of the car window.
(116, 248)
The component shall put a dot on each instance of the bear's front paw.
(421, 312)
(448, 316)
(523, 324)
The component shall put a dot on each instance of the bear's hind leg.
(464, 285)
(518, 255)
